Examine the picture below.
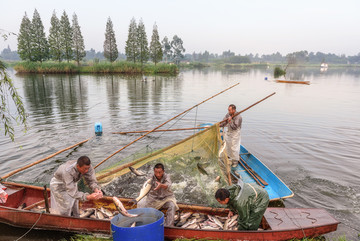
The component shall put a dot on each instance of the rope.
(192, 145)
(30, 228)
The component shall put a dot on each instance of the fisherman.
(249, 202)
(232, 135)
(160, 194)
(65, 195)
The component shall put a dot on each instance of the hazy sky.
(257, 26)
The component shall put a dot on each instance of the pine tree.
(55, 38)
(142, 43)
(66, 37)
(39, 44)
(24, 39)
(131, 48)
(156, 53)
(78, 41)
(166, 49)
(110, 48)
(177, 49)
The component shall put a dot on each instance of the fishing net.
(194, 164)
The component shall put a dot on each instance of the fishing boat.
(277, 223)
(293, 82)
(252, 170)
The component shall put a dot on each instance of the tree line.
(65, 42)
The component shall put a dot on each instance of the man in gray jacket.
(64, 191)
(232, 135)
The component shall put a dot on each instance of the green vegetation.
(278, 71)
(123, 67)
(111, 52)
(9, 93)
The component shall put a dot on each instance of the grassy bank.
(119, 67)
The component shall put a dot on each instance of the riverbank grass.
(118, 67)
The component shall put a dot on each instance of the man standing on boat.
(249, 202)
(232, 135)
(160, 194)
(65, 195)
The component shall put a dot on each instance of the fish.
(136, 172)
(216, 221)
(143, 192)
(133, 225)
(208, 227)
(222, 148)
(202, 169)
(226, 224)
(232, 222)
(87, 213)
(92, 216)
(121, 209)
(99, 215)
(183, 218)
(106, 212)
(236, 174)
(197, 158)
(194, 226)
(217, 179)
(188, 223)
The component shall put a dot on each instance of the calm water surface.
(309, 135)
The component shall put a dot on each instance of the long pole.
(147, 133)
(44, 159)
(238, 113)
(165, 130)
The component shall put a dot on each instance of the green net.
(194, 165)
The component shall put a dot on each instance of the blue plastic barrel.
(149, 226)
(98, 128)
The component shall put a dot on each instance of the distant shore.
(119, 67)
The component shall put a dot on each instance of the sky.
(256, 26)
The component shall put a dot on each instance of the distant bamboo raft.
(293, 82)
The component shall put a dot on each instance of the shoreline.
(120, 67)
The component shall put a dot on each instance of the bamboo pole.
(180, 129)
(238, 113)
(44, 159)
(164, 124)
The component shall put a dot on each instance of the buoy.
(98, 129)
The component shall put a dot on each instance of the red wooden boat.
(278, 223)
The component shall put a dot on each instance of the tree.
(78, 41)
(55, 38)
(24, 39)
(39, 44)
(178, 49)
(156, 53)
(7, 88)
(131, 48)
(142, 43)
(166, 49)
(66, 37)
(110, 48)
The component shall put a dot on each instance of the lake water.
(309, 135)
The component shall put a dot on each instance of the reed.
(118, 67)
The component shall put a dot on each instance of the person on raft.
(249, 202)
(64, 191)
(160, 194)
(232, 135)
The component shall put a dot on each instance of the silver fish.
(87, 213)
(92, 216)
(133, 225)
(143, 192)
(226, 224)
(106, 212)
(183, 218)
(99, 215)
(202, 169)
(188, 223)
(136, 172)
(122, 209)
(217, 221)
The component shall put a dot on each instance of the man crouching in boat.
(160, 194)
(65, 195)
(249, 202)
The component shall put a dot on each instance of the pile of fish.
(203, 221)
(99, 213)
